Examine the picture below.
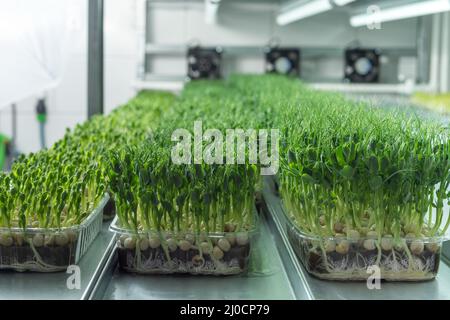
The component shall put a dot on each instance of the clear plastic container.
(49, 250)
(109, 212)
(151, 252)
(339, 258)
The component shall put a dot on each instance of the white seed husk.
(338, 227)
(231, 238)
(61, 239)
(18, 238)
(387, 242)
(122, 239)
(330, 246)
(38, 240)
(129, 243)
(410, 236)
(242, 238)
(190, 237)
(369, 244)
(143, 244)
(432, 247)
(400, 245)
(217, 253)
(372, 234)
(206, 247)
(229, 227)
(343, 247)
(154, 242)
(322, 220)
(353, 235)
(172, 244)
(224, 245)
(6, 240)
(417, 247)
(49, 240)
(363, 231)
(184, 245)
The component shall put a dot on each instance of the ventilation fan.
(362, 65)
(204, 63)
(283, 61)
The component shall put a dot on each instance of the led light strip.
(401, 12)
(308, 9)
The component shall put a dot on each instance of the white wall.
(239, 24)
(67, 104)
(254, 24)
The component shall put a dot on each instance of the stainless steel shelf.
(267, 279)
(320, 289)
(46, 286)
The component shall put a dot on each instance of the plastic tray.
(339, 258)
(152, 252)
(52, 249)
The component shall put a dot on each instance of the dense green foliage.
(351, 165)
(153, 193)
(343, 164)
(60, 186)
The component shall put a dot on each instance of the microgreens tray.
(49, 249)
(215, 253)
(352, 258)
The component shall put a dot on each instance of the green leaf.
(340, 156)
(375, 182)
(347, 172)
(373, 164)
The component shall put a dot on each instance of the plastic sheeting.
(34, 40)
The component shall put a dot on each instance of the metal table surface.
(436, 289)
(267, 279)
(49, 286)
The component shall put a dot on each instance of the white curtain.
(34, 41)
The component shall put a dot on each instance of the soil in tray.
(58, 256)
(158, 257)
